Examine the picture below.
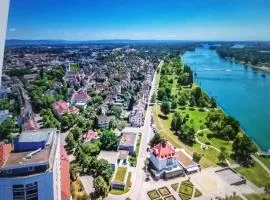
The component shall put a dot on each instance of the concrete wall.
(4, 7)
(162, 164)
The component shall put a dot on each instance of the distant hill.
(15, 42)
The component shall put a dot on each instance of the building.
(186, 162)
(61, 107)
(80, 99)
(163, 162)
(5, 149)
(90, 136)
(128, 142)
(32, 169)
(111, 156)
(103, 121)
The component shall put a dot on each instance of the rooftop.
(163, 150)
(184, 160)
(110, 156)
(36, 135)
(120, 174)
(128, 139)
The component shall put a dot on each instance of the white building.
(32, 170)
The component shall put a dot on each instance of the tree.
(213, 103)
(155, 140)
(222, 155)
(196, 157)
(174, 103)
(100, 186)
(116, 111)
(176, 122)
(109, 140)
(76, 132)
(104, 169)
(91, 149)
(70, 141)
(165, 107)
(187, 135)
(6, 128)
(243, 147)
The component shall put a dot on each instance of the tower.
(68, 66)
(4, 6)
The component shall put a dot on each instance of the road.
(139, 173)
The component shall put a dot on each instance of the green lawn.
(164, 191)
(256, 174)
(153, 194)
(197, 193)
(163, 125)
(186, 189)
(171, 197)
(175, 186)
(255, 196)
(264, 160)
(120, 174)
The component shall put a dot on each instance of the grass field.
(120, 192)
(256, 174)
(264, 160)
(210, 155)
(255, 196)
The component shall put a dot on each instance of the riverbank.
(257, 67)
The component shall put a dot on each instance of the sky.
(139, 19)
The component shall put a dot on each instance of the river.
(241, 91)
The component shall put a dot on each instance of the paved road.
(139, 173)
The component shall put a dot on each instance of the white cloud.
(12, 29)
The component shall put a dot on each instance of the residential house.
(90, 136)
(80, 99)
(61, 107)
(103, 121)
(111, 156)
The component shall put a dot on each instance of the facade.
(32, 168)
(104, 121)
(128, 142)
(186, 162)
(163, 161)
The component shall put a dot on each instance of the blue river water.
(241, 91)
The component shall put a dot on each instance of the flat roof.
(46, 155)
(128, 139)
(184, 160)
(229, 175)
(110, 156)
(36, 135)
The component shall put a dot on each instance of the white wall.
(4, 7)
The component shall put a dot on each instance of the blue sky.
(139, 19)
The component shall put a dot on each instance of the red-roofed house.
(61, 107)
(65, 179)
(163, 161)
(5, 149)
(90, 136)
(80, 98)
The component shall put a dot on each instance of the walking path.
(261, 163)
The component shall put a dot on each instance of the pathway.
(261, 163)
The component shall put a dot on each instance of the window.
(25, 192)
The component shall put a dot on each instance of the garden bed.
(164, 191)
(120, 174)
(153, 194)
(175, 186)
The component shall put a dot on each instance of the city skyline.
(138, 20)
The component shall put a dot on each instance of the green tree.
(116, 111)
(187, 135)
(109, 140)
(176, 122)
(70, 141)
(100, 185)
(196, 157)
(222, 155)
(243, 147)
(174, 103)
(104, 169)
(6, 128)
(155, 140)
(165, 107)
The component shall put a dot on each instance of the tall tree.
(109, 140)
(176, 122)
(243, 147)
(100, 186)
(165, 107)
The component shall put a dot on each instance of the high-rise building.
(31, 170)
(4, 6)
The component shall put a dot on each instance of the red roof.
(74, 110)
(163, 150)
(5, 149)
(65, 179)
(80, 96)
(61, 107)
(30, 125)
(90, 135)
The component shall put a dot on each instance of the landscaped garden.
(153, 194)
(164, 191)
(175, 186)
